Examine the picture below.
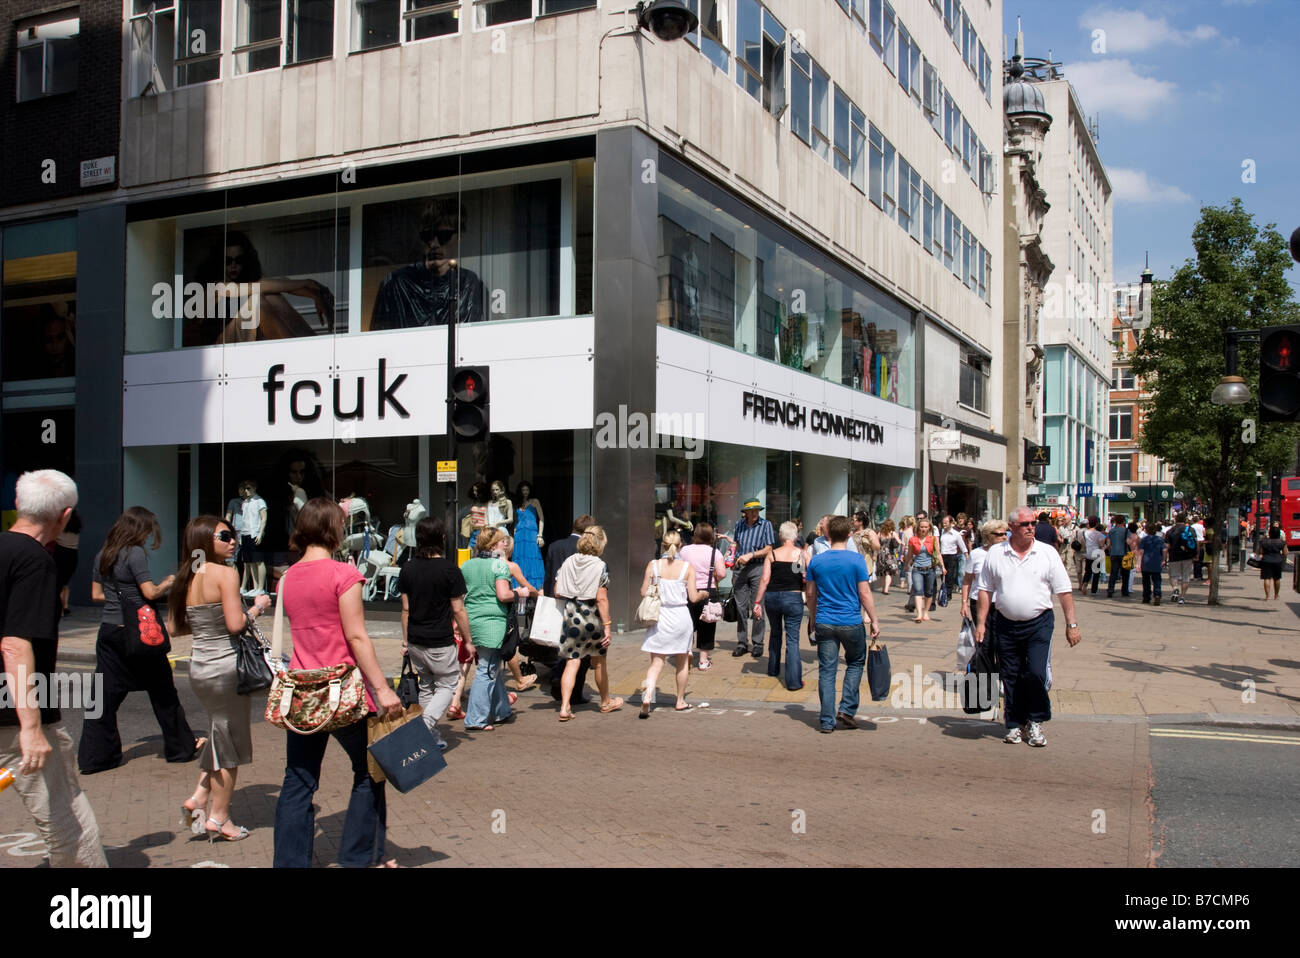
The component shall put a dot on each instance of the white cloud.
(1132, 31)
(1115, 87)
(1135, 186)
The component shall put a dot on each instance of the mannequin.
(528, 547)
(474, 517)
(665, 521)
(500, 510)
(253, 508)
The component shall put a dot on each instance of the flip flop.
(566, 718)
(614, 705)
(683, 708)
(513, 697)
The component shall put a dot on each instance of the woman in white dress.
(671, 635)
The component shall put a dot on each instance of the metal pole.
(452, 507)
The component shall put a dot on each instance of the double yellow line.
(1225, 735)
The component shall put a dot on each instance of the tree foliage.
(1237, 279)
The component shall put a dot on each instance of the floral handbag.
(308, 701)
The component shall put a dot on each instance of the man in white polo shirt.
(1019, 577)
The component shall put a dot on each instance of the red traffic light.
(1278, 351)
(469, 385)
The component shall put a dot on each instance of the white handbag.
(648, 609)
(548, 622)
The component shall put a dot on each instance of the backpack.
(1189, 539)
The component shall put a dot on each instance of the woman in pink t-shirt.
(698, 554)
(322, 599)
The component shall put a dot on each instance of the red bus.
(1290, 512)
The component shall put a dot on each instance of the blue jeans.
(829, 640)
(785, 607)
(923, 581)
(1150, 583)
(487, 699)
(364, 827)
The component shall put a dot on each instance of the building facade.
(1075, 320)
(747, 263)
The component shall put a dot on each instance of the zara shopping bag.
(404, 750)
(878, 677)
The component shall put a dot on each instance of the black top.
(784, 579)
(1270, 552)
(429, 586)
(1178, 550)
(1045, 532)
(29, 609)
(556, 553)
(416, 295)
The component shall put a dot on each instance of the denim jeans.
(787, 608)
(923, 581)
(487, 699)
(1024, 651)
(365, 825)
(1117, 574)
(829, 640)
(1150, 583)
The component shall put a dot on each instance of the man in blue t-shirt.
(838, 594)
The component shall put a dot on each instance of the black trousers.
(705, 632)
(101, 745)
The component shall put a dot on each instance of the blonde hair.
(907, 522)
(593, 541)
(506, 546)
(672, 541)
(488, 540)
(993, 531)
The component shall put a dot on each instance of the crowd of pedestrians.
(462, 619)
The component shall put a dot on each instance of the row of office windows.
(1085, 221)
(176, 43)
(1091, 181)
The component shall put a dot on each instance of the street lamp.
(1232, 389)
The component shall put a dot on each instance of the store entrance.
(963, 495)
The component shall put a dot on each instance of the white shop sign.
(346, 387)
(735, 398)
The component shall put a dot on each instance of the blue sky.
(1185, 92)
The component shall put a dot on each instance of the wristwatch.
(1072, 625)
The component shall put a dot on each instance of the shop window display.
(39, 303)
(747, 285)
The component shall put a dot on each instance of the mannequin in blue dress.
(529, 523)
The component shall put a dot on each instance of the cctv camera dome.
(667, 19)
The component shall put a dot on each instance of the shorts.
(1180, 570)
(249, 550)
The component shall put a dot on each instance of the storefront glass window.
(729, 276)
(39, 307)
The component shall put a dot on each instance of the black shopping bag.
(408, 755)
(878, 675)
(978, 689)
(408, 686)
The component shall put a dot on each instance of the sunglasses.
(225, 535)
(1023, 525)
(444, 236)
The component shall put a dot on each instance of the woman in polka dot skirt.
(581, 586)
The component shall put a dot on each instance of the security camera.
(666, 19)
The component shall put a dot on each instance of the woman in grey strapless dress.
(212, 676)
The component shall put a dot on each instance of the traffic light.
(469, 403)
(1279, 374)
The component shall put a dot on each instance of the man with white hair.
(1019, 578)
(33, 741)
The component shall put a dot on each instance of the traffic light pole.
(453, 505)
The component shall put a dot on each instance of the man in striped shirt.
(754, 540)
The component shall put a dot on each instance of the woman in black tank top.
(781, 593)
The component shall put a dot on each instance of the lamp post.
(1232, 389)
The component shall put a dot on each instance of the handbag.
(1254, 562)
(510, 643)
(1130, 558)
(712, 609)
(978, 689)
(402, 750)
(253, 671)
(941, 600)
(548, 623)
(648, 609)
(308, 701)
(965, 645)
(730, 610)
(145, 632)
(408, 686)
(878, 677)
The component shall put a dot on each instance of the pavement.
(1235, 662)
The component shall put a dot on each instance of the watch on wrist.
(1072, 625)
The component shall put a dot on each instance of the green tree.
(1238, 279)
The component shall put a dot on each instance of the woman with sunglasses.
(428, 291)
(206, 604)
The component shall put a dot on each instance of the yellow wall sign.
(446, 470)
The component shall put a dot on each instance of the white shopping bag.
(548, 622)
(965, 645)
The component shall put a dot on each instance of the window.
(1120, 468)
(951, 123)
(821, 111)
(889, 28)
(969, 258)
(711, 37)
(153, 48)
(986, 181)
(491, 13)
(937, 242)
(876, 180)
(932, 98)
(760, 55)
(858, 147)
(259, 36)
(842, 136)
(875, 24)
(965, 145)
(1121, 422)
(909, 199)
(986, 284)
(381, 23)
(904, 58)
(986, 74)
(1122, 378)
(47, 58)
(927, 218)
(951, 16)
(968, 43)
(973, 388)
(888, 183)
(801, 93)
(949, 247)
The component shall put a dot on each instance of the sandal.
(391, 863)
(478, 728)
(220, 831)
(706, 665)
(455, 712)
(613, 705)
(192, 817)
(512, 697)
(683, 708)
(528, 682)
(566, 716)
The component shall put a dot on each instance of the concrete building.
(1026, 270)
(756, 261)
(1076, 316)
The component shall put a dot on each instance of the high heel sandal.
(191, 818)
(215, 833)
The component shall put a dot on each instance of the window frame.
(54, 22)
(1115, 467)
(1120, 416)
(973, 379)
